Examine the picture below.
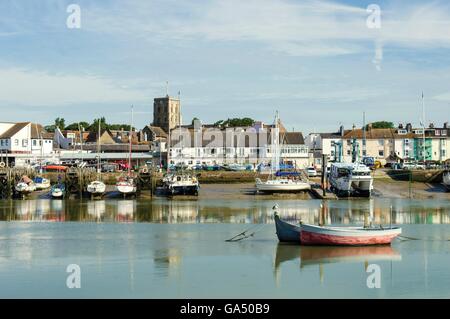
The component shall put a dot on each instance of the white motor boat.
(96, 188)
(446, 179)
(126, 186)
(25, 186)
(41, 183)
(58, 191)
(181, 184)
(351, 179)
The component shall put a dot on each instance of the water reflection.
(246, 212)
(320, 255)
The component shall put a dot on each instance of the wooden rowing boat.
(334, 236)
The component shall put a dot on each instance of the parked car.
(311, 171)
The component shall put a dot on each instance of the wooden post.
(324, 172)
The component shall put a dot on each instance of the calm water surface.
(177, 249)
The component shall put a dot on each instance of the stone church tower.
(166, 112)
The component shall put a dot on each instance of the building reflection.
(259, 212)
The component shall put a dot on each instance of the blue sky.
(314, 61)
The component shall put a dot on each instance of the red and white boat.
(347, 236)
(306, 234)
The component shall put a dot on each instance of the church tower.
(166, 112)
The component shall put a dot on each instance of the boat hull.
(287, 232)
(350, 236)
(126, 189)
(282, 188)
(183, 190)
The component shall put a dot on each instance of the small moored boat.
(25, 186)
(41, 183)
(341, 236)
(58, 191)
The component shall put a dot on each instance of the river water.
(176, 249)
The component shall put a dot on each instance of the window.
(24, 143)
(2, 142)
(348, 152)
(34, 142)
(380, 153)
(381, 142)
(443, 153)
(16, 142)
(349, 142)
(444, 132)
(406, 142)
(402, 132)
(364, 153)
(7, 142)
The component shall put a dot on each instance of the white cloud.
(29, 87)
(306, 28)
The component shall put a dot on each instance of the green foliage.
(50, 128)
(193, 120)
(235, 122)
(60, 123)
(78, 125)
(380, 124)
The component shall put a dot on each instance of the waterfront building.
(21, 142)
(384, 144)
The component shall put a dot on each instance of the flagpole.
(423, 125)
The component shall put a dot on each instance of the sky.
(321, 64)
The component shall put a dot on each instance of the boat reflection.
(320, 255)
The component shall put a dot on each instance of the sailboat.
(282, 182)
(127, 184)
(97, 187)
(180, 182)
(25, 186)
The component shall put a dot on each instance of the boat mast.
(98, 147)
(180, 140)
(275, 147)
(423, 126)
(364, 135)
(130, 142)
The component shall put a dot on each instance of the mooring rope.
(245, 234)
(403, 238)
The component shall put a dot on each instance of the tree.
(193, 120)
(380, 124)
(60, 123)
(76, 126)
(50, 128)
(235, 122)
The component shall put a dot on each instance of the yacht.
(25, 186)
(181, 184)
(351, 179)
(97, 187)
(127, 184)
(41, 183)
(289, 182)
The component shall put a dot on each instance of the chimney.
(431, 125)
(341, 130)
(400, 125)
(446, 125)
(409, 127)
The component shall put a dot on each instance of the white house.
(24, 141)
